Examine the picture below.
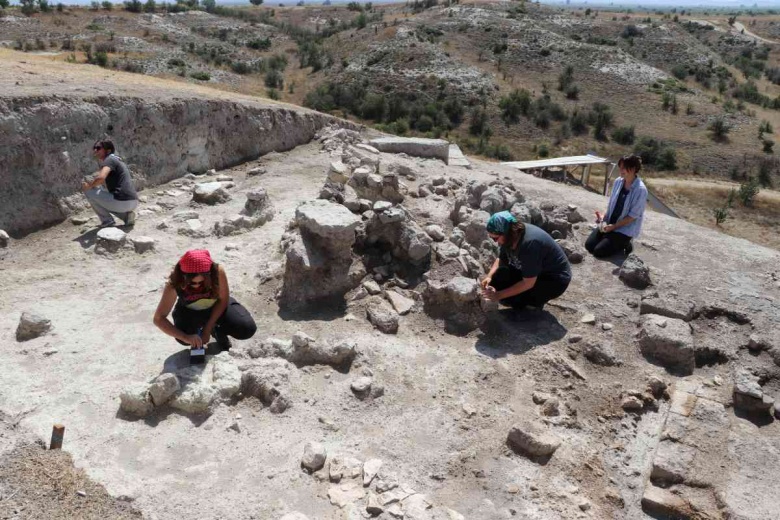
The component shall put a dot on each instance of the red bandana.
(195, 261)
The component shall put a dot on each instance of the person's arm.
(489, 278)
(164, 324)
(520, 287)
(619, 224)
(219, 307)
(100, 178)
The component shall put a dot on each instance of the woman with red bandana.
(203, 307)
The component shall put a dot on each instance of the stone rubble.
(32, 326)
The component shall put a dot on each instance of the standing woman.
(199, 289)
(531, 268)
(118, 196)
(625, 212)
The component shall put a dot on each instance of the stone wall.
(46, 145)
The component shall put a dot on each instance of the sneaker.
(107, 223)
(129, 218)
(223, 341)
(628, 249)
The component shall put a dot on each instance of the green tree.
(28, 7)
(209, 5)
(748, 191)
(4, 4)
(256, 2)
(150, 6)
(43, 5)
(107, 6)
(134, 6)
(719, 129)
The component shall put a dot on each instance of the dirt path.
(740, 28)
(765, 194)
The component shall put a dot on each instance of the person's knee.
(244, 330)
(602, 250)
(590, 246)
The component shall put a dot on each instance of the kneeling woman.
(199, 288)
(531, 268)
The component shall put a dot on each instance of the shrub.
(765, 167)
(134, 6)
(680, 71)
(274, 94)
(578, 122)
(719, 129)
(623, 135)
(108, 6)
(747, 192)
(601, 119)
(720, 214)
(517, 103)
(200, 75)
(631, 31)
(543, 151)
(566, 78)
(176, 62)
(374, 107)
(765, 127)
(479, 122)
(545, 52)
(656, 153)
(259, 44)
(242, 67)
(274, 79)
(768, 145)
(572, 92)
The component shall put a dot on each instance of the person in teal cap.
(531, 268)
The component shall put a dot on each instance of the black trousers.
(544, 290)
(235, 321)
(602, 245)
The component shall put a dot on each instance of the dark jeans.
(235, 321)
(602, 245)
(545, 289)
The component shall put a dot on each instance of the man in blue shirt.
(625, 212)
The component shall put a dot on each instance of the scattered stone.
(224, 178)
(588, 319)
(31, 326)
(361, 387)
(110, 240)
(370, 469)
(656, 386)
(373, 507)
(634, 272)
(607, 326)
(181, 216)
(163, 387)
(76, 220)
(135, 400)
(435, 232)
(344, 494)
(573, 251)
(382, 316)
(295, 515)
(671, 462)
(749, 396)
(600, 353)
(667, 341)
(401, 303)
(632, 404)
(306, 353)
(192, 228)
(668, 305)
(757, 343)
(344, 468)
(257, 170)
(210, 193)
(143, 244)
(658, 501)
(551, 407)
(314, 455)
(574, 338)
(532, 440)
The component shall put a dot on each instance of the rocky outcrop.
(159, 140)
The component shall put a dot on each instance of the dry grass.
(36, 484)
(695, 202)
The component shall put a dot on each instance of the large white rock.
(210, 193)
(4, 238)
(110, 240)
(135, 400)
(314, 455)
(31, 326)
(327, 220)
(162, 388)
(414, 146)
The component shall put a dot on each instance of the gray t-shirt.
(119, 182)
(537, 254)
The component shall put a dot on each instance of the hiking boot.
(107, 223)
(129, 218)
(628, 249)
(223, 341)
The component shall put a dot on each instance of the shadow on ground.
(516, 332)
